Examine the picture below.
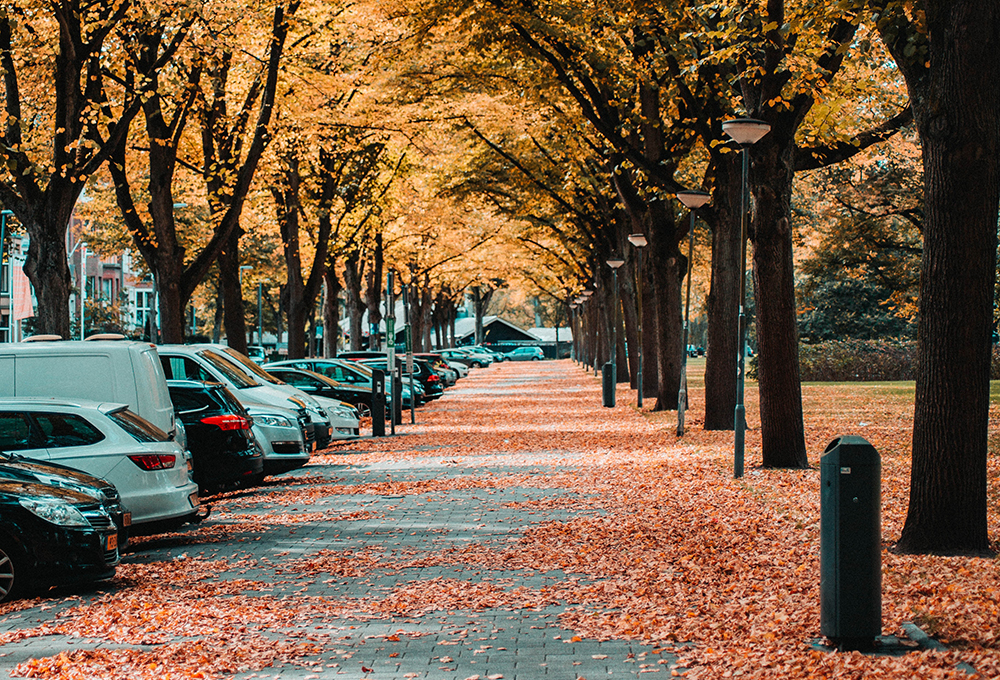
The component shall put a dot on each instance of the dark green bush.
(861, 360)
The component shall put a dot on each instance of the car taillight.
(154, 461)
(228, 422)
(433, 378)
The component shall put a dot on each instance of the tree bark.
(956, 106)
(723, 306)
(331, 311)
(234, 319)
(355, 310)
(782, 430)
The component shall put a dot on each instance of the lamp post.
(572, 324)
(10, 274)
(260, 313)
(692, 200)
(592, 349)
(746, 132)
(611, 382)
(244, 268)
(639, 241)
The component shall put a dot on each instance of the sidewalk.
(385, 558)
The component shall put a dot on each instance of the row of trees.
(469, 143)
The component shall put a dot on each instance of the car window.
(232, 372)
(183, 368)
(67, 429)
(139, 428)
(189, 404)
(244, 364)
(15, 432)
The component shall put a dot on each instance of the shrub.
(862, 360)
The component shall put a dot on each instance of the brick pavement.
(507, 642)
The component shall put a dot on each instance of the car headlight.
(273, 421)
(55, 512)
(345, 412)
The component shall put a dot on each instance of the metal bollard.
(378, 403)
(608, 380)
(850, 544)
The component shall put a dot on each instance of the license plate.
(127, 519)
(193, 499)
(111, 542)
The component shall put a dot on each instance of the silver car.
(279, 433)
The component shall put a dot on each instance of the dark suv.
(223, 449)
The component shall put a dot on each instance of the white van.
(121, 371)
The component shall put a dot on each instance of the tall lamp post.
(692, 200)
(572, 324)
(611, 382)
(639, 241)
(746, 132)
(592, 349)
(10, 273)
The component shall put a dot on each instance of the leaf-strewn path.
(518, 530)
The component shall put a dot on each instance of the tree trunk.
(229, 270)
(373, 294)
(667, 268)
(723, 306)
(782, 431)
(47, 267)
(957, 110)
(331, 312)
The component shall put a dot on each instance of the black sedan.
(317, 385)
(429, 380)
(223, 449)
(52, 536)
(15, 468)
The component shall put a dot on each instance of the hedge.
(862, 360)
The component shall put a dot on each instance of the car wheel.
(12, 580)
(476, 364)
(534, 358)
(364, 410)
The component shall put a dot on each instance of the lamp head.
(638, 240)
(615, 261)
(693, 198)
(745, 131)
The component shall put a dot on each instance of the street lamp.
(592, 349)
(639, 241)
(611, 382)
(10, 273)
(692, 200)
(746, 132)
(244, 268)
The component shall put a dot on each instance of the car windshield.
(139, 428)
(232, 371)
(251, 367)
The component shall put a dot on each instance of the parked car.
(358, 359)
(257, 354)
(15, 468)
(152, 473)
(52, 536)
(279, 433)
(341, 417)
(119, 371)
(193, 362)
(526, 354)
(318, 385)
(489, 351)
(422, 373)
(437, 362)
(466, 357)
(223, 449)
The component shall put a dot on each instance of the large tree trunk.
(229, 273)
(355, 309)
(331, 311)
(723, 305)
(667, 268)
(957, 109)
(782, 431)
(46, 264)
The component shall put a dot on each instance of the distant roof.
(549, 334)
(495, 329)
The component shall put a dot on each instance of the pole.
(639, 330)
(409, 350)
(10, 264)
(83, 287)
(740, 422)
(260, 314)
(390, 341)
(682, 394)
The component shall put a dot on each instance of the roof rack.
(43, 338)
